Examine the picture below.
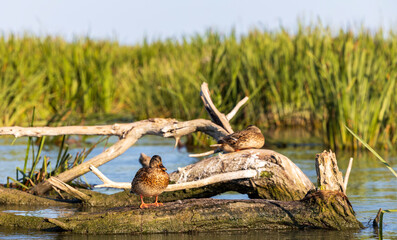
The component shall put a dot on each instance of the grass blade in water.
(373, 151)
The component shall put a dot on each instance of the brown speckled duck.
(251, 137)
(150, 181)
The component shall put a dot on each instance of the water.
(371, 186)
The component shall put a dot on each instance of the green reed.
(365, 144)
(313, 79)
(26, 178)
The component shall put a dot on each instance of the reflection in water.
(229, 235)
(371, 186)
(34, 211)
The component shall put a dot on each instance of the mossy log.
(322, 209)
(9, 196)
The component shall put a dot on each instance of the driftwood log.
(258, 173)
(128, 133)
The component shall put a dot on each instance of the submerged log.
(323, 209)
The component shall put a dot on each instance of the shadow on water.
(371, 186)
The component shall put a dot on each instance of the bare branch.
(349, 168)
(100, 175)
(157, 126)
(115, 129)
(178, 129)
(202, 154)
(179, 186)
(230, 115)
(214, 179)
(216, 116)
(55, 182)
(107, 182)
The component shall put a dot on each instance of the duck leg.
(156, 203)
(143, 205)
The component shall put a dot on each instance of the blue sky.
(131, 21)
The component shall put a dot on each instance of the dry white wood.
(233, 166)
(186, 185)
(230, 115)
(216, 116)
(171, 128)
(67, 188)
(157, 126)
(349, 168)
(222, 177)
(107, 183)
(279, 169)
(202, 154)
(115, 129)
(100, 175)
(179, 129)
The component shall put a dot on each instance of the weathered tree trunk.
(323, 209)
(328, 175)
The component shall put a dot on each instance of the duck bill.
(162, 167)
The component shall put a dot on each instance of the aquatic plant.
(380, 232)
(313, 79)
(26, 178)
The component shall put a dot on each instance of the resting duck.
(251, 137)
(150, 181)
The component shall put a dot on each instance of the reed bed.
(312, 79)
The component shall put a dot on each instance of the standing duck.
(251, 137)
(150, 181)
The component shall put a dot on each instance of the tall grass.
(313, 79)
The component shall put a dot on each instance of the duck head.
(253, 128)
(156, 162)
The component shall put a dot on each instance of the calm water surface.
(371, 186)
